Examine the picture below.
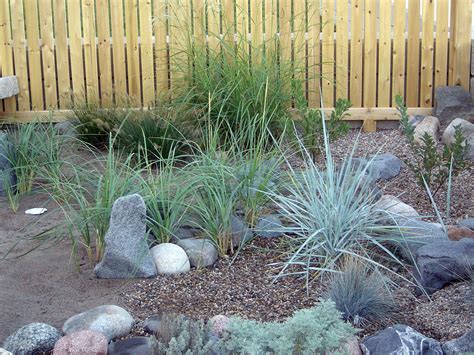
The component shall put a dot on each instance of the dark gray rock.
(265, 177)
(382, 166)
(33, 338)
(400, 340)
(7, 175)
(453, 102)
(66, 128)
(443, 262)
(201, 252)
(183, 233)
(241, 233)
(8, 87)
(112, 321)
(126, 253)
(269, 227)
(134, 346)
(152, 324)
(467, 222)
(411, 234)
(461, 345)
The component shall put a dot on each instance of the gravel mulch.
(244, 287)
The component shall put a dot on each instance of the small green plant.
(317, 330)
(167, 194)
(312, 129)
(431, 167)
(362, 295)
(215, 199)
(180, 335)
(34, 153)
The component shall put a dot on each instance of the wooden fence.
(364, 50)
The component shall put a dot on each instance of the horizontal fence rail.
(367, 51)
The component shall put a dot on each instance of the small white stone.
(396, 208)
(170, 259)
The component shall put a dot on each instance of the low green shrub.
(317, 330)
(362, 295)
(431, 167)
(312, 129)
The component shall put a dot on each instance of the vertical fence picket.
(47, 51)
(118, 51)
(242, 23)
(314, 53)
(256, 30)
(370, 53)
(427, 49)
(105, 61)
(161, 47)
(271, 25)
(459, 54)
(398, 53)
(90, 51)
(441, 52)
(299, 44)
(384, 54)
(328, 59)
(146, 52)
(133, 54)
(213, 24)
(342, 49)
(62, 53)
(19, 52)
(6, 53)
(357, 37)
(75, 46)
(413, 53)
(34, 55)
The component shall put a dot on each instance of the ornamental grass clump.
(360, 293)
(330, 213)
(34, 153)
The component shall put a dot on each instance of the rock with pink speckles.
(82, 342)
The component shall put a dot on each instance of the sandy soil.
(44, 285)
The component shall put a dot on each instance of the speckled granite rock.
(33, 338)
(112, 321)
(82, 342)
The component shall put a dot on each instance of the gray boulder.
(66, 128)
(8, 87)
(400, 340)
(112, 321)
(443, 262)
(453, 102)
(33, 338)
(467, 129)
(7, 175)
(182, 233)
(382, 166)
(241, 233)
(135, 345)
(412, 234)
(462, 345)
(269, 227)
(201, 252)
(126, 252)
(467, 222)
(415, 120)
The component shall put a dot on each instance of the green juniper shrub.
(360, 293)
(317, 330)
(431, 167)
(180, 335)
(312, 128)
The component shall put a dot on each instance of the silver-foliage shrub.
(181, 335)
(309, 331)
